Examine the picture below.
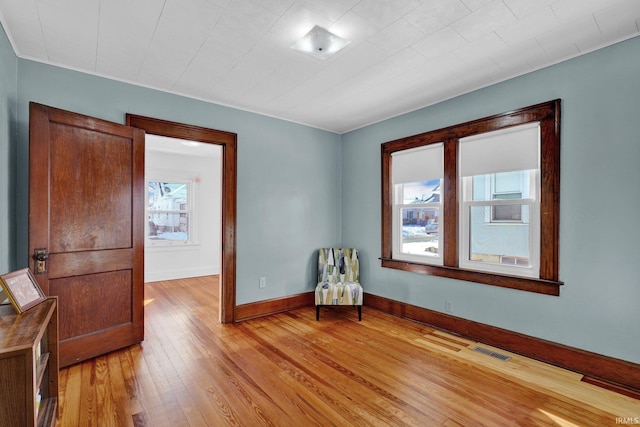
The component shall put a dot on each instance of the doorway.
(183, 192)
(227, 242)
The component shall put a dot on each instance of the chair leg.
(359, 313)
(317, 312)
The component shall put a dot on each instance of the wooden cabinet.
(29, 365)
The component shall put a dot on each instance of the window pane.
(508, 182)
(169, 226)
(502, 186)
(168, 211)
(420, 231)
(498, 243)
(168, 195)
(421, 192)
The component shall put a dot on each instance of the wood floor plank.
(145, 394)
(290, 370)
(69, 402)
(88, 403)
(112, 411)
(131, 382)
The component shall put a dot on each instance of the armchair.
(338, 279)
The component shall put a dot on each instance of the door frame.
(228, 142)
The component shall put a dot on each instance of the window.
(499, 218)
(169, 211)
(477, 201)
(417, 212)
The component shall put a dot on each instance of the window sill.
(167, 247)
(540, 286)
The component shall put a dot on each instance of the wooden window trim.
(548, 114)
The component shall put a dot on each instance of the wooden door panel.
(75, 263)
(86, 206)
(91, 303)
(90, 180)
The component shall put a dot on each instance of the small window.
(169, 212)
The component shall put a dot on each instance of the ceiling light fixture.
(320, 43)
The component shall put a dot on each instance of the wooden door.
(86, 215)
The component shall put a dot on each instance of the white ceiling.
(403, 55)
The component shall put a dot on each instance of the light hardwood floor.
(290, 370)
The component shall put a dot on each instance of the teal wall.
(289, 175)
(599, 306)
(8, 102)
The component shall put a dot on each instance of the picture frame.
(22, 289)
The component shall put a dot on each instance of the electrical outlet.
(448, 306)
(263, 282)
